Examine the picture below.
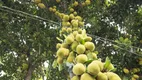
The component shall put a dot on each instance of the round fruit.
(69, 39)
(75, 3)
(78, 18)
(71, 57)
(37, 1)
(71, 16)
(75, 23)
(59, 60)
(41, 5)
(87, 2)
(71, 9)
(79, 69)
(75, 33)
(81, 24)
(79, 37)
(74, 45)
(93, 68)
(102, 76)
(58, 1)
(80, 49)
(62, 52)
(64, 45)
(89, 46)
(88, 39)
(58, 45)
(100, 64)
(81, 58)
(75, 78)
(126, 71)
(65, 17)
(86, 76)
(69, 30)
(112, 76)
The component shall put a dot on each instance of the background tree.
(27, 41)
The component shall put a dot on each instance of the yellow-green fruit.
(86, 76)
(87, 2)
(41, 5)
(81, 24)
(65, 17)
(37, 1)
(112, 76)
(133, 78)
(93, 69)
(101, 65)
(89, 46)
(69, 39)
(58, 1)
(71, 57)
(81, 58)
(79, 69)
(80, 31)
(140, 62)
(68, 24)
(64, 45)
(80, 49)
(110, 67)
(94, 55)
(58, 45)
(75, 33)
(54, 10)
(74, 45)
(50, 9)
(83, 4)
(78, 18)
(88, 39)
(75, 13)
(79, 37)
(71, 9)
(126, 71)
(69, 30)
(75, 3)
(102, 76)
(62, 52)
(66, 53)
(136, 76)
(71, 16)
(75, 23)
(59, 60)
(63, 29)
(75, 78)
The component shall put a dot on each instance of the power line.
(24, 14)
(113, 41)
(104, 40)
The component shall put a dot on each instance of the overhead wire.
(105, 40)
(24, 14)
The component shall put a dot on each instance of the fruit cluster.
(132, 72)
(39, 4)
(77, 47)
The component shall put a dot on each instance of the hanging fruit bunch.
(77, 48)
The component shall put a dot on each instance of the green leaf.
(54, 64)
(60, 67)
(59, 39)
(107, 63)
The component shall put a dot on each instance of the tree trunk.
(29, 73)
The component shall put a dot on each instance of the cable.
(117, 45)
(113, 41)
(24, 14)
